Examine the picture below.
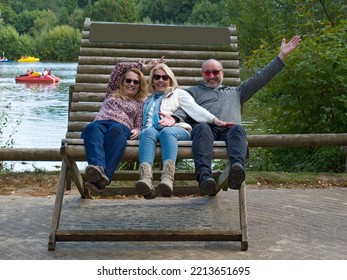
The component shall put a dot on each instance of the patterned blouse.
(125, 111)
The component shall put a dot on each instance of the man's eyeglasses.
(163, 77)
(209, 72)
(135, 82)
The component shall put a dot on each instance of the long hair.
(168, 71)
(143, 87)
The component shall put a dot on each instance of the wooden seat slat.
(136, 53)
(148, 235)
(85, 43)
(111, 61)
(183, 81)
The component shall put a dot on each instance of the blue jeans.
(105, 142)
(203, 136)
(168, 137)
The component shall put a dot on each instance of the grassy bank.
(290, 180)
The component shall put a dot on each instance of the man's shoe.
(94, 187)
(96, 174)
(207, 186)
(236, 176)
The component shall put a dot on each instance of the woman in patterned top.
(118, 120)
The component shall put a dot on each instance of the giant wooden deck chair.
(185, 48)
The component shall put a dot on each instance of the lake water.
(36, 113)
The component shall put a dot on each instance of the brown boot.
(165, 187)
(145, 185)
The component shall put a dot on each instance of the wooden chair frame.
(185, 48)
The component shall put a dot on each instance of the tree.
(9, 40)
(114, 10)
(178, 11)
(167, 11)
(309, 96)
(45, 21)
(205, 13)
(82, 3)
(258, 20)
(60, 43)
(63, 16)
(7, 14)
(77, 18)
(152, 10)
(14, 44)
(26, 45)
(29, 5)
(69, 5)
(25, 21)
(313, 97)
(125, 11)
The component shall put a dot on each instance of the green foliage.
(323, 159)
(257, 21)
(310, 95)
(7, 14)
(9, 142)
(114, 10)
(206, 13)
(29, 5)
(9, 39)
(77, 18)
(82, 3)
(152, 11)
(63, 16)
(14, 44)
(229, 11)
(60, 44)
(69, 5)
(125, 11)
(26, 46)
(45, 21)
(178, 11)
(25, 21)
(3, 121)
(168, 11)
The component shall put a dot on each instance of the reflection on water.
(36, 113)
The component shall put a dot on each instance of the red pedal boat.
(37, 79)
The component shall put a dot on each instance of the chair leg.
(243, 217)
(57, 207)
(68, 182)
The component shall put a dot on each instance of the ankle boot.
(165, 187)
(145, 185)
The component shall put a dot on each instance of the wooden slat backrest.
(98, 58)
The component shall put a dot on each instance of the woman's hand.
(134, 134)
(152, 63)
(166, 120)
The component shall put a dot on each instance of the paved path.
(282, 224)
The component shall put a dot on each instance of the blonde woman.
(165, 99)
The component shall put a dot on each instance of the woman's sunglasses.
(163, 77)
(135, 82)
